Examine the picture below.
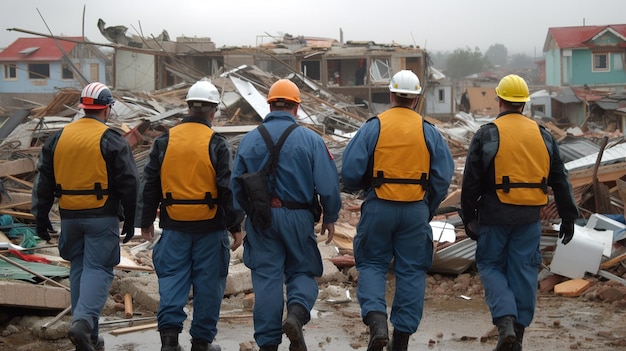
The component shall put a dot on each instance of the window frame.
(35, 75)
(8, 68)
(595, 65)
(66, 72)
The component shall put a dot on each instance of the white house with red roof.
(586, 56)
(36, 68)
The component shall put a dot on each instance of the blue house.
(34, 69)
(589, 56)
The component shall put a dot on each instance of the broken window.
(601, 62)
(311, 69)
(380, 71)
(38, 71)
(67, 72)
(10, 71)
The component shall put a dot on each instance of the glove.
(129, 230)
(44, 227)
(566, 232)
(472, 229)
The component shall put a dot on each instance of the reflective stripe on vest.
(401, 158)
(79, 167)
(188, 178)
(522, 162)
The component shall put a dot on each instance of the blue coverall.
(507, 251)
(191, 253)
(393, 229)
(286, 252)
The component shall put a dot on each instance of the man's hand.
(472, 229)
(566, 232)
(237, 240)
(44, 227)
(129, 230)
(148, 233)
(330, 227)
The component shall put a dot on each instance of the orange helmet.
(284, 89)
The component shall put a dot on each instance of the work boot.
(379, 332)
(297, 317)
(80, 335)
(169, 340)
(269, 348)
(198, 344)
(519, 336)
(506, 333)
(399, 341)
(98, 343)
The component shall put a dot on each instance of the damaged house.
(36, 68)
(589, 62)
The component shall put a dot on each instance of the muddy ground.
(451, 322)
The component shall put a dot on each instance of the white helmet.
(405, 84)
(203, 90)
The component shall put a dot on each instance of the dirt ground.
(450, 322)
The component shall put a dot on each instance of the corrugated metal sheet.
(609, 156)
(573, 148)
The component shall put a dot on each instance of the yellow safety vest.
(79, 168)
(188, 179)
(401, 158)
(522, 162)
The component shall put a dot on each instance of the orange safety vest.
(79, 168)
(188, 179)
(401, 158)
(522, 162)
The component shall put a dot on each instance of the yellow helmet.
(513, 88)
(284, 89)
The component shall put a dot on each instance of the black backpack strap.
(274, 149)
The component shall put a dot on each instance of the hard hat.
(405, 84)
(96, 96)
(284, 89)
(203, 90)
(513, 88)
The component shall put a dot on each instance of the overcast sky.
(437, 25)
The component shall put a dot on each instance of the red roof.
(47, 49)
(577, 37)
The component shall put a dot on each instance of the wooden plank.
(21, 181)
(573, 288)
(18, 214)
(20, 166)
(621, 188)
(11, 205)
(613, 261)
(606, 173)
(127, 330)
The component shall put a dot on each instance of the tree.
(497, 55)
(521, 61)
(464, 62)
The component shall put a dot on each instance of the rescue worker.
(404, 167)
(187, 178)
(286, 253)
(91, 170)
(510, 164)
